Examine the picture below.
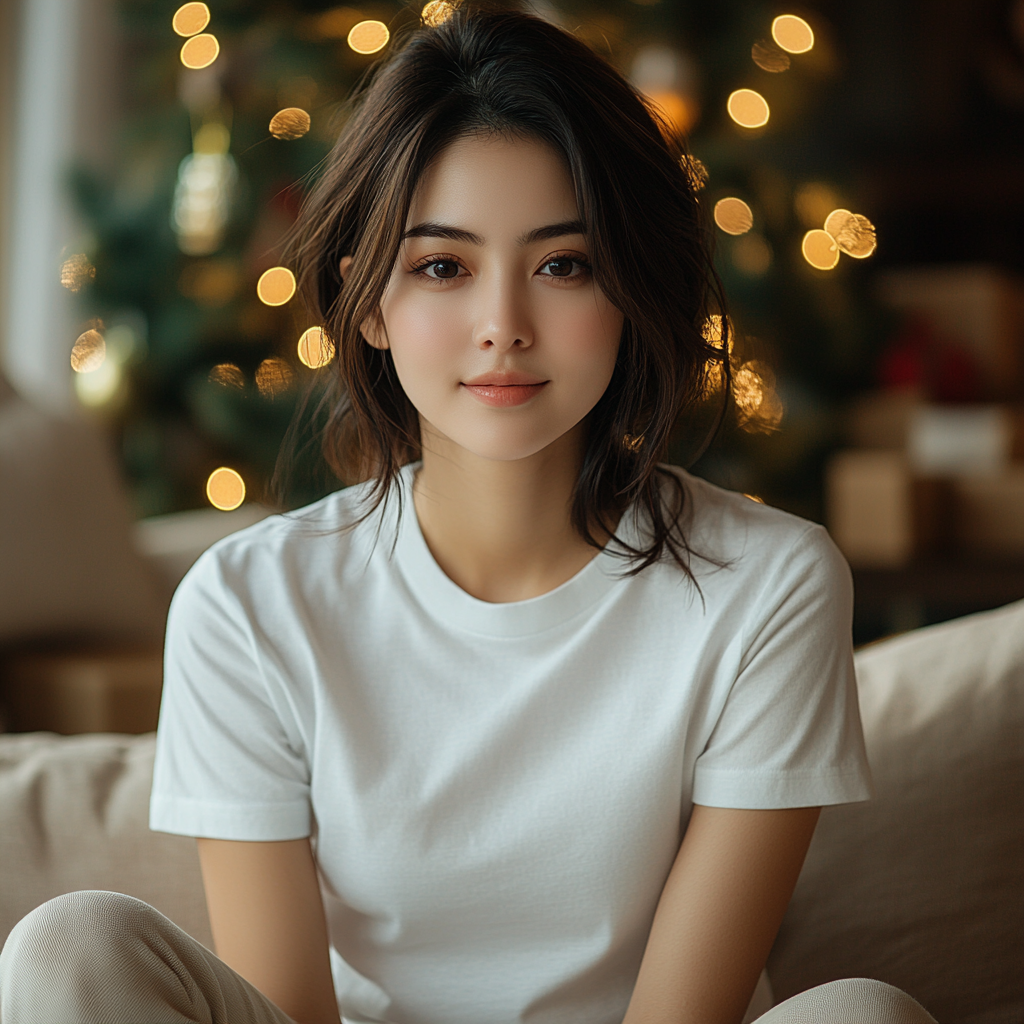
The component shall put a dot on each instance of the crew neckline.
(444, 599)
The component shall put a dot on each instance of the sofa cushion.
(923, 887)
(73, 815)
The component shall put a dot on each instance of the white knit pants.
(104, 958)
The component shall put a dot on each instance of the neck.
(501, 530)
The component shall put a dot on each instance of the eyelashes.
(448, 267)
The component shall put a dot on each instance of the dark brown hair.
(488, 70)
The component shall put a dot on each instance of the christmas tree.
(197, 354)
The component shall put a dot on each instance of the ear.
(372, 334)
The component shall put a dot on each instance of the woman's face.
(499, 335)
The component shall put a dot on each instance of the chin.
(503, 443)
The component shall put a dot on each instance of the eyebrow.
(431, 229)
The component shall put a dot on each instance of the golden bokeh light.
(227, 375)
(854, 233)
(88, 352)
(695, 171)
(752, 255)
(273, 377)
(437, 12)
(769, 57)
(276, 286)
(315, 348)
(733, 216)
(76, 271)
(98, 387)
(712, 329)
(793, 34)
(225, 489)
(190, 19)
(759, 406)
(200, 51)
(812, 202)
(820, 249)
(680, 111)
(749, 109)
(754, 497)
(290, 123)
(368, 36)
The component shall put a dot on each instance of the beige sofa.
(923, 887)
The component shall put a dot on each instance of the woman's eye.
(439, 270)
(563, 266)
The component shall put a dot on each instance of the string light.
(290, 123)
(225, 489)
(88, 352)
(368, 36)
(820, 249)
(733, 216)
(276, 286)
(315, 348)
(76, 271)
(749, 109)
(190, 19)
(853, 233)
(200, 51)
(436, 13)
(792, 33)
(273, 377)
(768, 57)
(227, 375)
(202, 196)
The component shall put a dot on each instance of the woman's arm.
(268, 922)
(718, 914)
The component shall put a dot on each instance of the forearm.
(718, 915)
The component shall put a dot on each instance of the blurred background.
(863, 163)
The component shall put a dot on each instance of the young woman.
(525, 726)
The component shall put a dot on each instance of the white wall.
(59, 110)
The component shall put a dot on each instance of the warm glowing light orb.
(99, 386)
(273, 377)
(88, 352)
(733, 216)
(225, 489)
(75, 271)
(290, 123)
(680, 111)
(749, 109)
(768, 57)
(854, 233)
(437, 12)
(227, 375)
(792, 33)
(275, 286)
(368, 36)
(200, 51)
(820, 249)
(190, 19)
(315, 348)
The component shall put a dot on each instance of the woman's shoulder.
(301, 544)
(739, 531)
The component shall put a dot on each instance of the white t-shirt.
(497, 791)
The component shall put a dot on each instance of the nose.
(503, 320)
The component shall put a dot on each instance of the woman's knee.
(76, 926)
(849, 1001)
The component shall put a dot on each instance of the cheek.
(424, 340)
(589, 341)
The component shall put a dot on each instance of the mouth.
(505, 389)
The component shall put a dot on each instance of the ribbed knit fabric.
(104, 958)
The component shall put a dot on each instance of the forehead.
(482, 180)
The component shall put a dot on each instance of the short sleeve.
(789, 733)
(229, 764)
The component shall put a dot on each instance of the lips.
(505, 388)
